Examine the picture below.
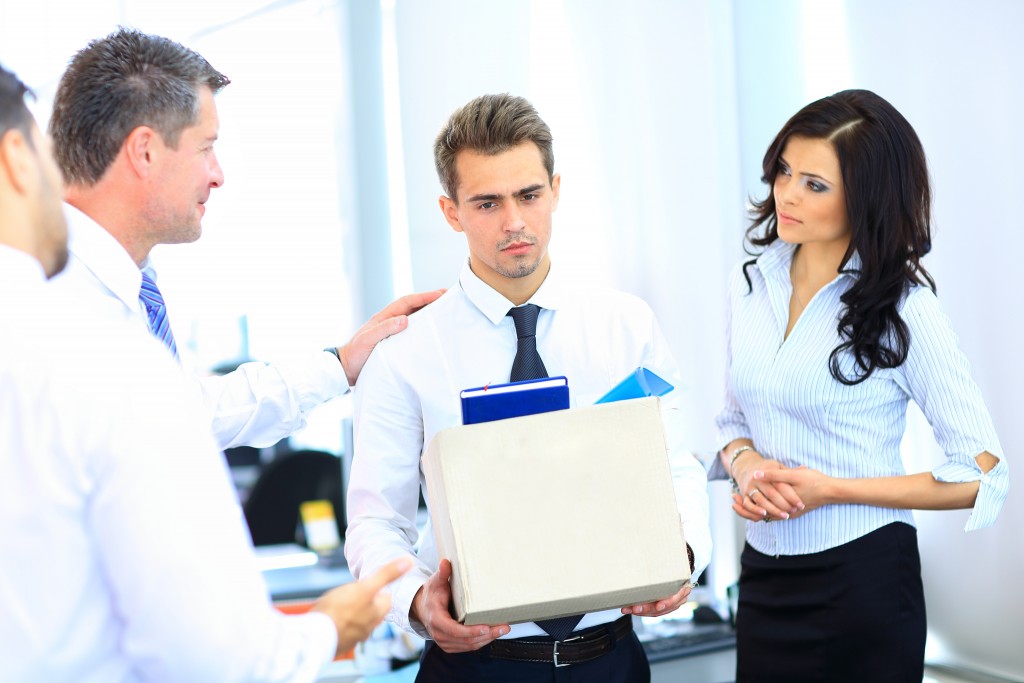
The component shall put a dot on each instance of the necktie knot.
(156, 312)
(150, 293)
(525, 318)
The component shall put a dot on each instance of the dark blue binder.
(514, 399)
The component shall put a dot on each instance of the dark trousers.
(852, 613)
(627, 663)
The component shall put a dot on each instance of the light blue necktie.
(156, 310)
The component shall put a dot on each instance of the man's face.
(52, 229)
(183, 178)
(504, 207)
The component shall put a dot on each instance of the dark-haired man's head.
(31, 216)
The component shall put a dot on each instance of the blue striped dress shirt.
(781, 395)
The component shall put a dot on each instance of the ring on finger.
(753, 491)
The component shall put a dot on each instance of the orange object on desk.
(301, 607)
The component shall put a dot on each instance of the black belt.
(588, 644)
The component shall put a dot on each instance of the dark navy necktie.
(156, 311)
(528, 365)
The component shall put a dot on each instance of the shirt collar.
(18, 268)
(495, 306)
(104, 256)
(776, 259)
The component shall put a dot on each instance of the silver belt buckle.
(554, 652)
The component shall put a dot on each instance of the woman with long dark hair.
(833, 327)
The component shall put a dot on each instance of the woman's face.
(809, 200)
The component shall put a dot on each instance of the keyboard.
(701, 638)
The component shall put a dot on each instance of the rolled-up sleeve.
(937, 376)
(995, 484)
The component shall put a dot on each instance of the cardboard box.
(558, 513)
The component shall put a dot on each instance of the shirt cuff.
(337, 380)
(994, 486)
(333, 353)
(698, 538)
(322, 633)
(716, 470)
(402, 593)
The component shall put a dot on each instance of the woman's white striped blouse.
(780, 394)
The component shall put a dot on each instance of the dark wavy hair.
(888, 206)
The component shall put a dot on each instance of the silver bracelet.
(732, 463)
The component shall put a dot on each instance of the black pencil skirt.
(851, 613)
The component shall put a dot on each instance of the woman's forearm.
(913, 491)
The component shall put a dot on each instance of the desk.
(305, 583)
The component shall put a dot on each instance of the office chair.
(272, 508)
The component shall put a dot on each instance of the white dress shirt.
(256, 405)
(409, 390)
(781, 395)
(123, 554)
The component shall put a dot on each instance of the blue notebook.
(515, 399)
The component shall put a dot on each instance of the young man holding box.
(496, 166)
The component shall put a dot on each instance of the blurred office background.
(661, 111)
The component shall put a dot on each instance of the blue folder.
(639, 384)
(514, 399)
